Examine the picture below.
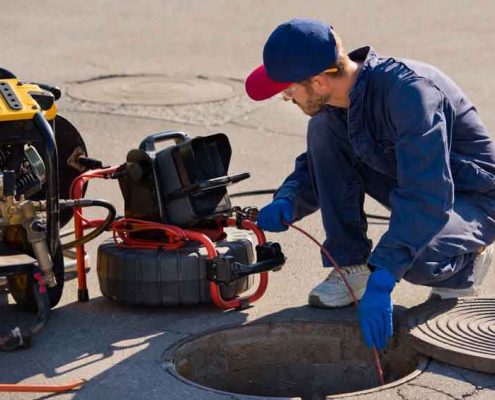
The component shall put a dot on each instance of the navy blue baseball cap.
(295, 51)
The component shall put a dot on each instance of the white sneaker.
(333, 292)
(482, 263)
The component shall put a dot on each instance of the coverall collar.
(357, 137)
(368, 57)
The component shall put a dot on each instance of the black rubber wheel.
(21, 286)
(168, 278)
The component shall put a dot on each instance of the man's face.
(305, 97)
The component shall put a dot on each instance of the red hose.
(376, 358)
(330, 258)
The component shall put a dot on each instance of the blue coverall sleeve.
(422, 119)
(298, 188)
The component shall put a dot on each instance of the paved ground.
(119, 349)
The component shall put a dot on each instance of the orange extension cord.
(378, 365)
(15, 387)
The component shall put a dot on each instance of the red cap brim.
(259, 86)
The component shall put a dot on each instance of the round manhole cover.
(297, 359)
(154, 90)
(460, 332)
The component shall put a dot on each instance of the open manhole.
(298, 359)
(154, 90)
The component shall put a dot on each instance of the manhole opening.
(308, 360)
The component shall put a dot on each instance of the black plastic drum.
(168, 278)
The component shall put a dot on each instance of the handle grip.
(6, 74)
(209, 184)
(148, 143)
(225, 269)
(57, 93)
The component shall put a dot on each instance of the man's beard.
(314, 103)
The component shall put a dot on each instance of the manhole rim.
(236, 92)
(169, 366)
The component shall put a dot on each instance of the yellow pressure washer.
(40, 154)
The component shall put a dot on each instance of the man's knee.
(420, 276)
(432, 273)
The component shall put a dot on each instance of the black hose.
(21, 338)
(271, 191)
(52, 192)
(97, 231)
(374, 216)
(253, 193)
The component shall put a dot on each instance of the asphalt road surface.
(189, 50)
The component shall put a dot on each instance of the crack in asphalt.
(154, 118)
(435, 390)
(460, 373)
(401, 395)
(467, 396)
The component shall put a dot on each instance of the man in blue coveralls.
(400, 131)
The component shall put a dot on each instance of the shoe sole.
(444, 295)
(315, 301)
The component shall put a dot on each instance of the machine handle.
(209, 184)
(57, 93)
(225, 270)
(148, 143)
(240, 270)
(6, 74)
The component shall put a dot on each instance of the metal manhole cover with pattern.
(154, 90)
(460, 332)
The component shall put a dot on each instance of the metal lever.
(225, 270)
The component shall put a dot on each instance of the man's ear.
(318, 80)
(320, 83)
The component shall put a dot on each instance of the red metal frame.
(76, 192)
(239, 302)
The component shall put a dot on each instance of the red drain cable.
(122, 228)
(176, 237)
(378, 365)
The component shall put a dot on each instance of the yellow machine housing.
(21, 101)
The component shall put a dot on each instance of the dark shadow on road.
(86, 336)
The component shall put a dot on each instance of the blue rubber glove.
(375, 309)
(271, 216)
